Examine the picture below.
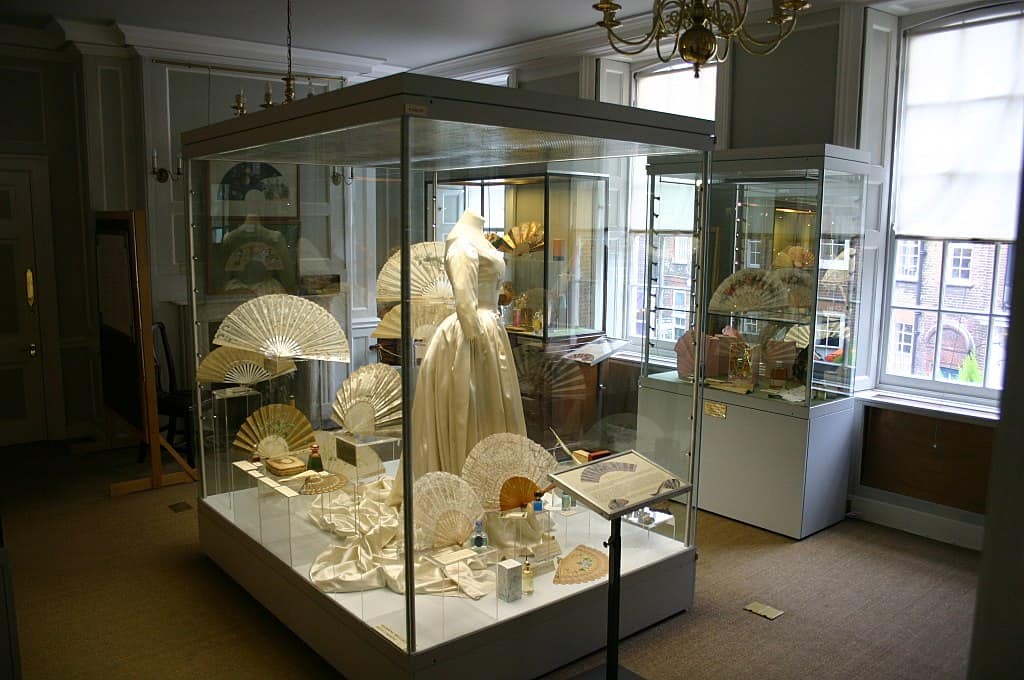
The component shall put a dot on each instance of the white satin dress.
(467, 387)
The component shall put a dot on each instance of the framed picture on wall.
(253, 257)
(240, 190)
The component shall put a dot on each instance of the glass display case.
(781, 305)
(405, 507)
(552, 229)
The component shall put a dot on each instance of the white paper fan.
(275, 430)
(370, 400)
(445, 509)
(240, 367)
(748, 290)
(427, 279)
(368, 463)
(425, 317)
(284, 326)
(541, 373)
(506, 469)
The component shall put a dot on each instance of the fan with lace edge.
(427, 280)
(506, 470)
(240, 367)
(275, 430)
(582, 564)
(445, 510)
(748, 290)
(284, 326)
(370, 400)
(426, 317)
(521, 239)
(545, 374)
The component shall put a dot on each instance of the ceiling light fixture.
(701, 31)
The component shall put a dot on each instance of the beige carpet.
(117, 588)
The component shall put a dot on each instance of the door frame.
(45, 279)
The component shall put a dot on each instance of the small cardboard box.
(510, 580)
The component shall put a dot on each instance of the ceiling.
(404, 33)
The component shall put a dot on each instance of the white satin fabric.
(467, 387)
(370, 554)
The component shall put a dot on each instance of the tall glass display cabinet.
(394, 508)
(782, 295)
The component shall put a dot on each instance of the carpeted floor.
(117, 588)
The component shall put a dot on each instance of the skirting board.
(547, 637)
(913, 521)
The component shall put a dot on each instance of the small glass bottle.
(538, 501)
(479, 540)
(315, 463)
(778, 375)
(566, 500)
(527, 578)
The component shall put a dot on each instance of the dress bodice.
(489, 276)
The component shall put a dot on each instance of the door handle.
(31, 349)
(30, 289)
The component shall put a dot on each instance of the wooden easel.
(126, 333)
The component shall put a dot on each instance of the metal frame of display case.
(656, 590)
(798, 483)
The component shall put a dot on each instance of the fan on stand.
(240, 367)
(284, 326)
(427, 277)
(445, 510)
(520, 239)
(748, 290)
(426, 316)
(370, 400)
(506, 470)
(274, 431)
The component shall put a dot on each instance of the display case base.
(528, 645)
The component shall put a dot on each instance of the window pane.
(1004, 279)
(921, 290)
(909, 355)
(997, 354)
(968, 280)
(678, 92)
(964, 349)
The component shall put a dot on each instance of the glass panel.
(963, 351)
(911, 343)
(918, 274)
(967, 282)
(12, 289)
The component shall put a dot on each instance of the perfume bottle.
(315, 463)
(479, 539)
(527, 578)
(566, 501)
(538, 501)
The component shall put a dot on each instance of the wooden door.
(22, 392)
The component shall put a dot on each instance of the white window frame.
(902, 256)
(952, 267)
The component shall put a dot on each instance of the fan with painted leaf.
(545, 374)
(582, 564)
(801, 335)
(370, 400)
(427, 278)
(240, 367)
(425, 317)
(506, 470)
(798, 284)
(275, 430)
(748, 290)
(521, 239)
(445, 510)
(284, 326)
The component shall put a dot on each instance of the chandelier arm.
(666, 58)
(752, 45)
(728, 16)
(635, 46)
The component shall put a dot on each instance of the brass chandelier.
(700, 31)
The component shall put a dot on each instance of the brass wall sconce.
(163, 174)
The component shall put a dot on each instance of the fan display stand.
(602, 485)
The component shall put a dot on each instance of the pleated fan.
(445, 509)
(275, 430)
(284, 326)
(546, 374)
(506, 470)
(425, 317)
(748, 290)
(370, 400)
(582, 564)
(240, 367)
(798, 284)
(427, 280)
(801, 335)
(521, 239)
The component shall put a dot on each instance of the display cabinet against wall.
(405, 509)
(783, 292)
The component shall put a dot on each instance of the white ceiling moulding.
(228, 52)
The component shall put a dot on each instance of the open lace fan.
(427, 279)
(506, 469)
(275, 430)
(748, 290)
(284, 326)
(445, 509)
(369, 400)
(425, 317)
(240, 367)
(541, 373)
(521, 239)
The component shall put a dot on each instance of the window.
(954, 203)
(752, 260)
